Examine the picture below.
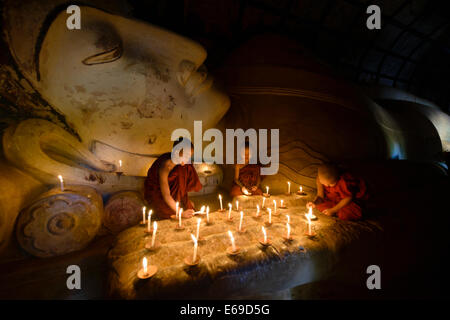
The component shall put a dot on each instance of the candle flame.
(267, 189)
(202, 209)
(301, 189)
(194, 239)
(155, 227)
(265, 235)
(220, 196)
(120, 163)
(144, 264)
(288, 218)
(257, 209)
(60, 178)
(288, 232)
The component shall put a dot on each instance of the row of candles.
(265, 241)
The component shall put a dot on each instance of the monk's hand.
(329, 212)
(188, 213)
(245, 191)
(254, 188)
(310, 205)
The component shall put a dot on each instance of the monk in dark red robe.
(168, 183)
(247, 177)
(339, 194)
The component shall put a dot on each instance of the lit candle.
(240, 221)
(301, 189)
(310, 214)
(199, 221)
(229, 211)
(149, 220)
(264, 233)
(155, 227)
(202, 209)
(220, 199)
(281, 203)
(288, 231)
(233, 245)
(120, 165)
(289, 187)
(267, 189)
(61, 182)
(237, 205)
(270, 215)
(194, 257)
(179, 217)
(144, 265)
(264, 200)
(288, 218)
(177, 204)
(257, 210)
(309, 224)
(143, 214)
(207, 214)
(274, 206)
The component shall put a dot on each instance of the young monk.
(247, 177)
(339, 194)
(168, 183)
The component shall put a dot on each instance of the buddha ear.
(104, 57)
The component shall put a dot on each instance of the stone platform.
(256, 271)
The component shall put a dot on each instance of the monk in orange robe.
(339, 194)
(247, 177)
(168, 183)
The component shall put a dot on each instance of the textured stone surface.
(59, 222)
(123, 210)
(255, 271)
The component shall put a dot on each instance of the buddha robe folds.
(182, 179)
(347, 186)
(248, 176)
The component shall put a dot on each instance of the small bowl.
(265, 244)
(233, 253)
(268, 224)
(178, 228)
(156, 247)
(151, 270)
(189, 262)
(266, 195)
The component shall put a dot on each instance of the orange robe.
(347, 186)
(248, 176)
(182, 179)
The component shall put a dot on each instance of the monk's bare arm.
(164, 184)
(341, 204)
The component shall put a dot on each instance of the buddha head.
(116, 80)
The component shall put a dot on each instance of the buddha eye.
(104, 57)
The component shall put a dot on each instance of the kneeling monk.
(247, 177)
(339, 194)
(168, 183)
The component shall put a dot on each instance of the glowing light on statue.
(155, 227)
(61, 181)
(194, 257)
(220, 199)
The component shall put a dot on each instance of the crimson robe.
(182, 179)
(248, 176)
(347, 186)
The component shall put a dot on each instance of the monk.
(339, 194)
(168, 183)
(247, 177)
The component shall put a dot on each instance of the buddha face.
(126, 83)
